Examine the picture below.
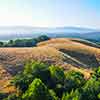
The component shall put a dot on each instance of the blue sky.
(50, 13)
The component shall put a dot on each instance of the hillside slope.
(83, 53)
(71, 54)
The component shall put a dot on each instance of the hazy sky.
(50, 13)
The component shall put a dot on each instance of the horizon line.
(85, 27)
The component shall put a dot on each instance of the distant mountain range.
(7, 33)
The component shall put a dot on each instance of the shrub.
(73, 80)
(21, 82)
(73, 95)
(96, 74)
(57, 74)
(37, 70)
(57, 79)
(31, 71)
(12, 97)
(37, 91)
(91, 90)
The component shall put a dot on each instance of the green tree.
(1, 44)
(11, 42)
(41, 38)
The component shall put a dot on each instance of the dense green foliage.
(24, 42)
(39, 81)
(73, 80)
(32, 70)
(37, 91)
(73, 95)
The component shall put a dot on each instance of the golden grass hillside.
(71, 54)
(80, 52)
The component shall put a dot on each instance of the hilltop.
(85, 53)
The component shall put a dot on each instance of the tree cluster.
(24, 42)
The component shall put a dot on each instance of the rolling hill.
(71, 54)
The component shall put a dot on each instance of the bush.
(21, 82)
(37, 70)
(37, 91)
(73, 95)
(96, 74)
(57, 79)
(57, 74)
(31, 71)
(12, 97)
(73, 80)
(91, 90)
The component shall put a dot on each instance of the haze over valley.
(15, 32)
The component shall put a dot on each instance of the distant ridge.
(12, 32)
(49, 28)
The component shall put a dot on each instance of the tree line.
(24, 42)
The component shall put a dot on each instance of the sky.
(50, 13)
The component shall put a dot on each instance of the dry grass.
(5, 78)
(71, 54)
(85, 54)
(86, 72)
(71, 44)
